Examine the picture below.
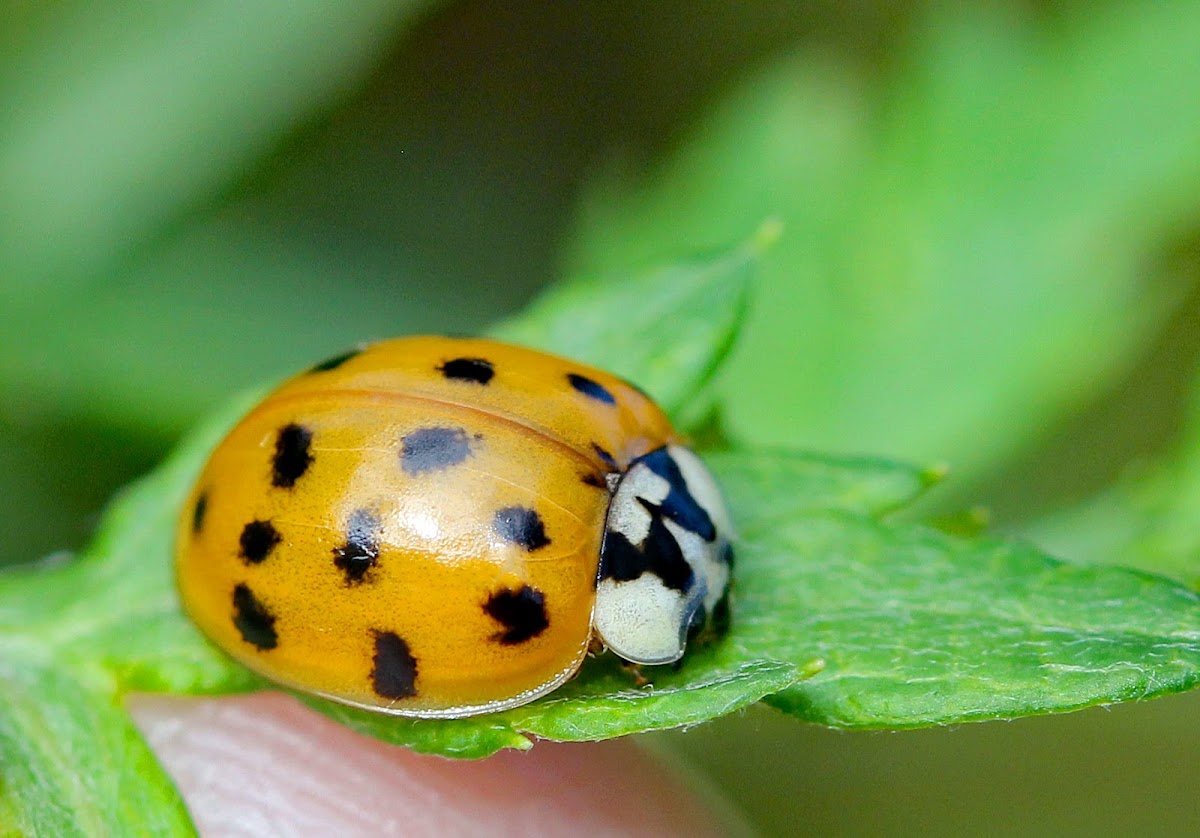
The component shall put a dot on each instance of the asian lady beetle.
(437, 528)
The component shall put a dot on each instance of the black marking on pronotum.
(591, 389)
(478, 370)
(606, 457)
(257, 541)
(434, 449)
(360, 552)
(255, 622)
(336, 361)
(660, 554)
(522, 613)
(727, 555)
(679, 505)
(198, 512)
(292, 455)
(620, 560)
(522, 526)
(666, 556)
(394, 674)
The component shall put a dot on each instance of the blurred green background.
(990, 258)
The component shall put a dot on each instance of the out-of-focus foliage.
(967, 238)
(122, 115)
(1150, 520)
(120, 121)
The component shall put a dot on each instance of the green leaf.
(776, 485)
(963, 238)
(668, 330)
(918, 628)
(600, 703)
(71, 762)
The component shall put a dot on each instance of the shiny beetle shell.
(437, 527)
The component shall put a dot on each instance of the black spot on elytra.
(660, 554)
(522, 613)
(679, 505)
(591, 389)
(198, 512)
(255, 622)
(433, 449)
(360, 552)
(522, 526)
(478, 370)
(258, 540)
(593, 479)
(336, 361)
(292, 455)
(395, 672)
(606, 457)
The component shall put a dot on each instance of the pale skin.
(264, 765)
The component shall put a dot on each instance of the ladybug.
(438, 528)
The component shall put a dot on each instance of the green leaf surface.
(778, 484)
(602, 702)
(917, 627)
(920, 628)
(667, 330)
(969, 235)
(71, 761)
